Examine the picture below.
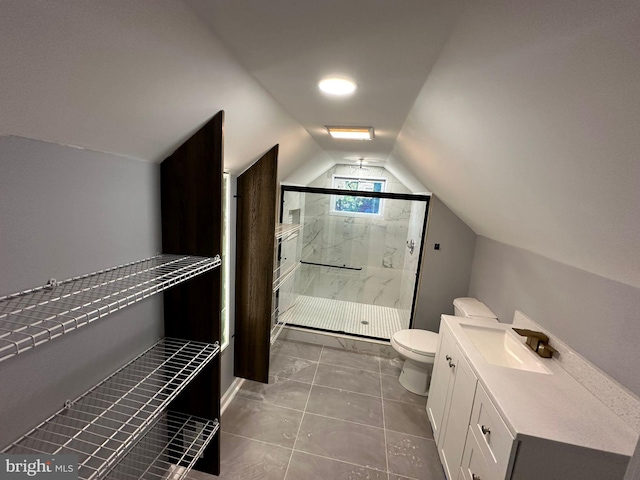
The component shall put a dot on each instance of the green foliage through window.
(363, 205)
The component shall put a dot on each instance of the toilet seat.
(419, 342)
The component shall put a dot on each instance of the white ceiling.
(387, 47)
(523, 117)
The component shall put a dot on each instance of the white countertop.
(555, 407)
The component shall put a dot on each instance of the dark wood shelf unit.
(191, 192)
(255, 237)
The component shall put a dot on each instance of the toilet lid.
(418, 341)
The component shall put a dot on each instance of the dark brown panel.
(191, 191)
(255, 237)
(191, 188)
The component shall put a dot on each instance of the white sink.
(501, 348)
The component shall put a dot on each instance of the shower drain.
(364, 322)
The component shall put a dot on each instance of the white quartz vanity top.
(555, 406)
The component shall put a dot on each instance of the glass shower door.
(358, 271)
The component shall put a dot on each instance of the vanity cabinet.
(449, 404)
(497, 423)
(473, 441)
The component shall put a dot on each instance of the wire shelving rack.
(284, 230)
(38, 315)
(168, 451)
(105, 423)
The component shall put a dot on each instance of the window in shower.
(348, 204)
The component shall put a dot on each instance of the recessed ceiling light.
(351, 133)
(339, 86)
(364, 160)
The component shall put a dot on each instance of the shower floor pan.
(348, 317)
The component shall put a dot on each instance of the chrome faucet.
(537, 341)
(411, 245)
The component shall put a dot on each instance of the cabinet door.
(439, 390)
(455, 431)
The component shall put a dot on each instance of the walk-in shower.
(360, 256)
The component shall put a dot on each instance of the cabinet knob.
(475, 477)
(448, 357)
(451, 364)
(485, 430)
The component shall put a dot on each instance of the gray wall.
(64, 212)
(226, 360)
(445, 272)
(597, 317)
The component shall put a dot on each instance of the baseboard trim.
(230, 394)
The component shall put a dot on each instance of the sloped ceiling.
(528, 128)
(523, 117)
(526, 124)
(387, 47)
(134, 79)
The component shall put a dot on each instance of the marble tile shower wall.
(375, 245)
(393, 184)
(371, 285)
(356, 241)
(411, 260)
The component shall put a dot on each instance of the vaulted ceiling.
(387, 48)
(523, 117)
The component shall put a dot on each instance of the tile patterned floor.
(327, 414)
(347, 317)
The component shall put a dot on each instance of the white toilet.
(473, 308)
(418, 347)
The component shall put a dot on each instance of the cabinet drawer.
(493, 436)
(474, 466)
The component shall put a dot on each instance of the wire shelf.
(285, 229)
(104, 423)
(33, 317)
(282, 275)
(278, 321)
(168, 451)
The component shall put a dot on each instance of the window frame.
(334, 198)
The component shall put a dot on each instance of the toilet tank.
(472, 308)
